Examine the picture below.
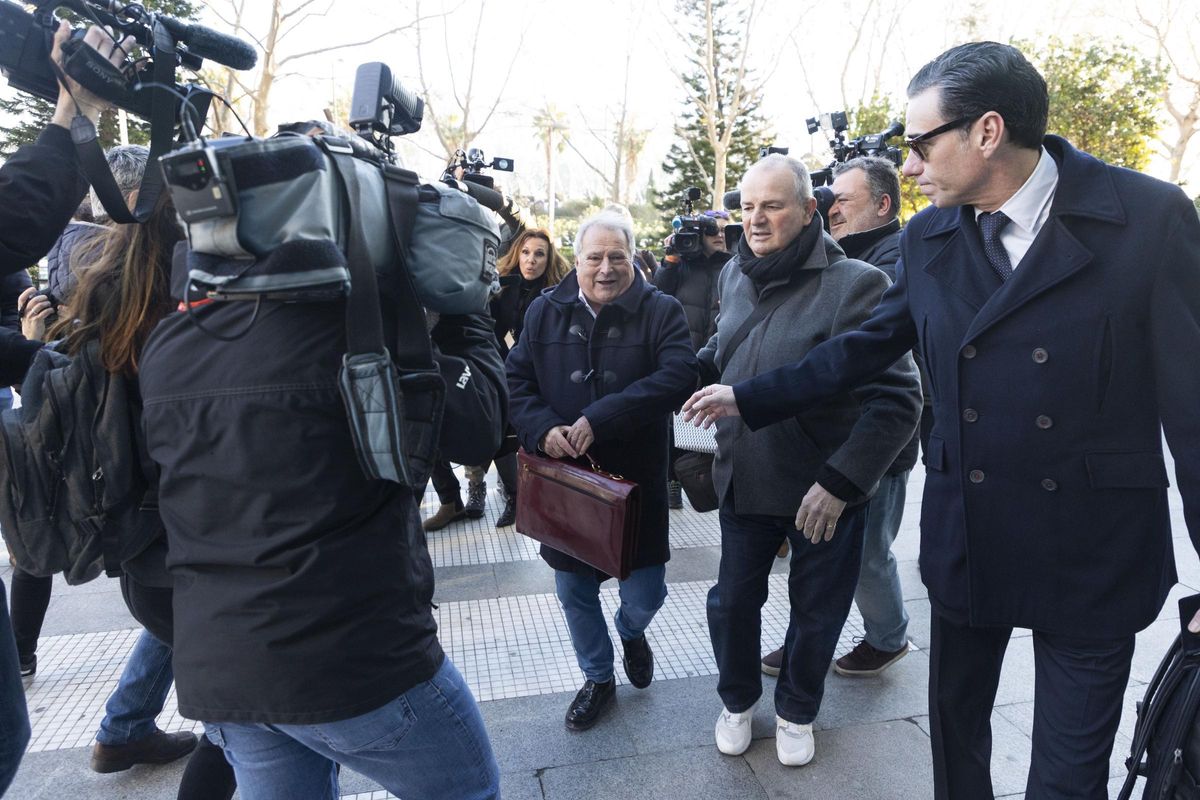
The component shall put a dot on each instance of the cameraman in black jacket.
(692, 280)
(40, 188)
(305, 630)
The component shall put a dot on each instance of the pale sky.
(572, 53)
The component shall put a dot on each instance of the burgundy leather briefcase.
(580, 510)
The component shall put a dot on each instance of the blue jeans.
(878, 596)
(642, 595)
(14, 719)
(428, 742)
(140, 694)
(821, 582)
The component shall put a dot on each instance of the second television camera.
(873, 144)
(690, 228)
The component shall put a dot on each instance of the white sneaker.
(733, 731)
(793, 743)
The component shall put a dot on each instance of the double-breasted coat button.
(969, 351)
(1049, 484)
(976, 476)
(577, 376)
(1040, 356)
(970, 415)
(1044, 422)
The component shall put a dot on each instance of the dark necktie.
(990, 226)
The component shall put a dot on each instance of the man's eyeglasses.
(917, 144)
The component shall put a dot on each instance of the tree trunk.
(550, 181)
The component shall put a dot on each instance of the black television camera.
(690, 228)
(26, 38)
(874, 144)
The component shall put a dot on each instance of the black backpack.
(75, 496)
(1166, 744)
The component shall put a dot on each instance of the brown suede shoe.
(864, 661)
(772, 663)
(157, 748)
(446, 513)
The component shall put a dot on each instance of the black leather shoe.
(29, 666)
(638, 661)
(159, 747)
(509, 515)
(589, 704)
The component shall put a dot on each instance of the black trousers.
(1078, 689)
(821, 581)
(30, 599)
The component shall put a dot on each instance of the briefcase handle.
(596, 469)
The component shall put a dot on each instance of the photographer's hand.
(33, 308)
(72, 94)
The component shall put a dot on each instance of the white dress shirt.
(586, 304)
(1028, 209)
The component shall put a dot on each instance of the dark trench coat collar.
(1085, 189)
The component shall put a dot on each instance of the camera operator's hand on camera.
(89, 104)
(34, 308)
(580, 435)
(669, 245)
(556, 445)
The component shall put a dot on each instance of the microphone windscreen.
(732, 201)
(219, 47)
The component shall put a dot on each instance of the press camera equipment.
(771, 149)
(302, 218)
(26, 39)
(874, 144)
(471, 164)
(244, 198)
(145, 87)
(690, 228)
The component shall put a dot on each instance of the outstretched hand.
(709, 404)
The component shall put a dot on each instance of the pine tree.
(31, 114)
(691, 160)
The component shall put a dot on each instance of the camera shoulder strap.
(364, 322)
(413, 346)
(364, 325)
(763, 308)
(162, 128)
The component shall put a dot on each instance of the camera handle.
(162, 128)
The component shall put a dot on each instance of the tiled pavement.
(501, 625)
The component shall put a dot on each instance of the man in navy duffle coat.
(1062, 337)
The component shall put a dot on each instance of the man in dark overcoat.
(603, 360)
(1056, 301)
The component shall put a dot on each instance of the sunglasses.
(917, 144)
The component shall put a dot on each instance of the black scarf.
(782, 263)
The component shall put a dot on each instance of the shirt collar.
(586, 304)
(1029, 203)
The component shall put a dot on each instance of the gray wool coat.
(853, 437)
